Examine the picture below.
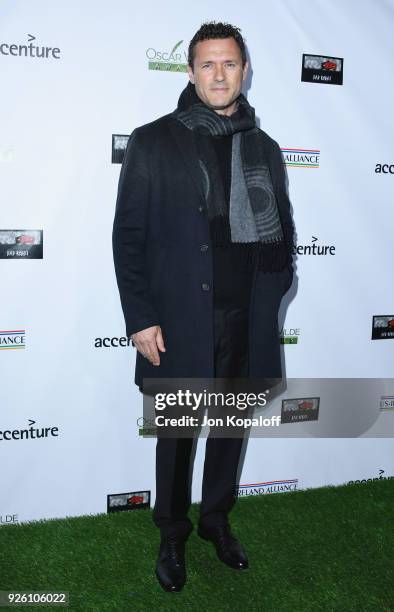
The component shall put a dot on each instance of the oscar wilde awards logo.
(267, 488)
(134, 500)
(8, 519)
(21, 244)
(382, 327)
(167, 61)
(322, 69)
(29, 49)
(146, 427)
(289, 335)
(12, 339)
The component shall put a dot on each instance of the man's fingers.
(160, 341)
(141, 348)
(148, 342)
(151, 352)
(155, 359)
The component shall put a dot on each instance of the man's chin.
(223, 106)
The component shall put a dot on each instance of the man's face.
(218, 74)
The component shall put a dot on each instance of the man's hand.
(147, 341)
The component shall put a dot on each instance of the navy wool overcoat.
(163, 266)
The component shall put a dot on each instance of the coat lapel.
(188, 151)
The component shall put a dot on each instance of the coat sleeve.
(287, 222)
(129, 237)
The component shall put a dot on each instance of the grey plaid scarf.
(252, 219)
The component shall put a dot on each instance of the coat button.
(203, 248)
(200, 208)
(205, 287)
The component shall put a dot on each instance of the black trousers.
(173, 455)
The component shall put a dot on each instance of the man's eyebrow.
(212, 61)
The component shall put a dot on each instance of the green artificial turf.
(320, 549)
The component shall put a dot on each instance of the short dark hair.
(210, 30)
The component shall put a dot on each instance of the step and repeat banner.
(76, 79)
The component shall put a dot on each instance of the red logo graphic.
(305, 405)
(135, 499)
(329, 65)
(24, 239)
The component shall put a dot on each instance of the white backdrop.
(58, 115)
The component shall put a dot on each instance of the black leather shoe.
(228, 548)
(170, 566)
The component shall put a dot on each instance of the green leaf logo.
(176, 46)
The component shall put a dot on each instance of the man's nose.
(219, 76)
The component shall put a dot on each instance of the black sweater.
(232, 282)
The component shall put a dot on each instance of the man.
(202, 243)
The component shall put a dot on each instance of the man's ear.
(245, 70)
(191, 75)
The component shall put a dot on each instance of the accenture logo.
(384, 169)
(112, 342)
(380, 477)
(29, 433)
(314, 248)
(29, 50)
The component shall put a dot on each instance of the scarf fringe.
(268, 256)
